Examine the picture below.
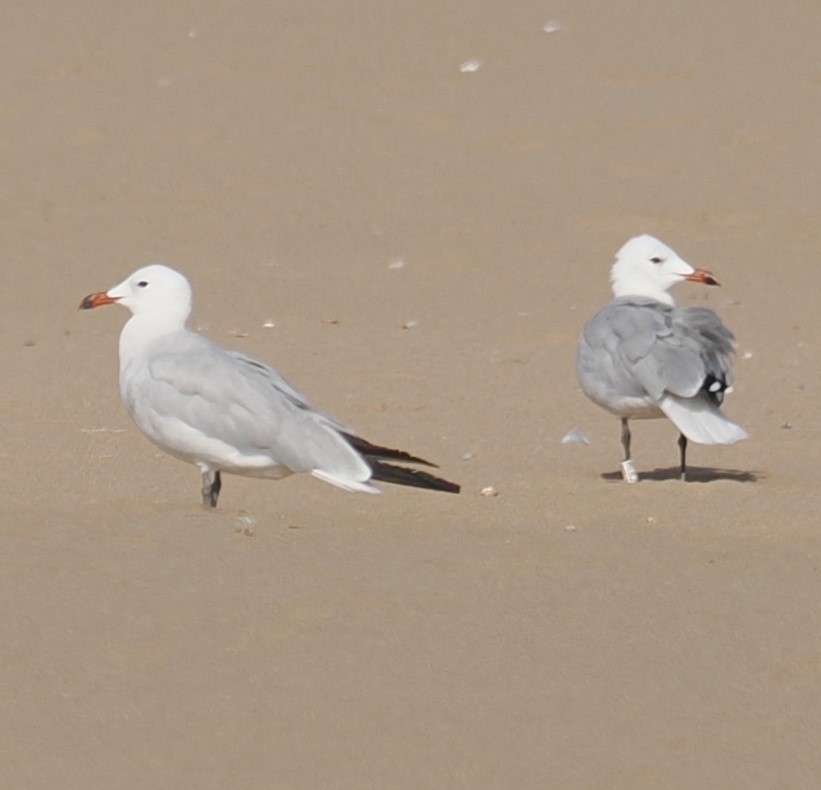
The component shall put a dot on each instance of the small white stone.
(570, 528)
(396, 263)
(412, 324)
(468, 456)
(269, 324)
(552, 26)
(489, 491)
(469, 66)
(247, 525)
(747, 355)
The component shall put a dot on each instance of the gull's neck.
(637, 287)
(142, 330)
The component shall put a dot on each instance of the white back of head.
(647, 267)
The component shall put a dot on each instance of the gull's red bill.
(702, 276)
(97, 299)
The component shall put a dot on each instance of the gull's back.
(636, 350)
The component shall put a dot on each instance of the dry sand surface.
(572, 632)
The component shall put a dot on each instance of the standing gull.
(642, 357)
(224, 411)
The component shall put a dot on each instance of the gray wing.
(640, 347)
(273, 378)
(242, 402)
(713, 341)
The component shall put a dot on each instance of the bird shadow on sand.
(695, 474)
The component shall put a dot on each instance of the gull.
(224, 411)
(641, 357)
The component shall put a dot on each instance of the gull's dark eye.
(142, 284)
(656, 259)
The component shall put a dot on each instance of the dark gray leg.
(682, 446)
(211, 490)
(628, 470)
(625, 438)
(215, 489)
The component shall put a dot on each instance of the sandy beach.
(410, 210)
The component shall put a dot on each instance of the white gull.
(641, 357)
(225, 411)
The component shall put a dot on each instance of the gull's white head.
(647, 267)
(156, 291)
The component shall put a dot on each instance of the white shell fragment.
(412, 324)
(469, 66)
(396, 263)
(489, 491)
(268, 324)
(575, 436)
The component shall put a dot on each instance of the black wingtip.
(375, 455)
(376, 451)
(400, 475)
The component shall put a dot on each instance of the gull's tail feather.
(702, 421)
(345, 483)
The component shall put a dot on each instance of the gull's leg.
(628, 469)
(210, 490)
(206, 488)
(215, 488)
(682, 446)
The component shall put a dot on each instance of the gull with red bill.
(641, 357)
(225, 411)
